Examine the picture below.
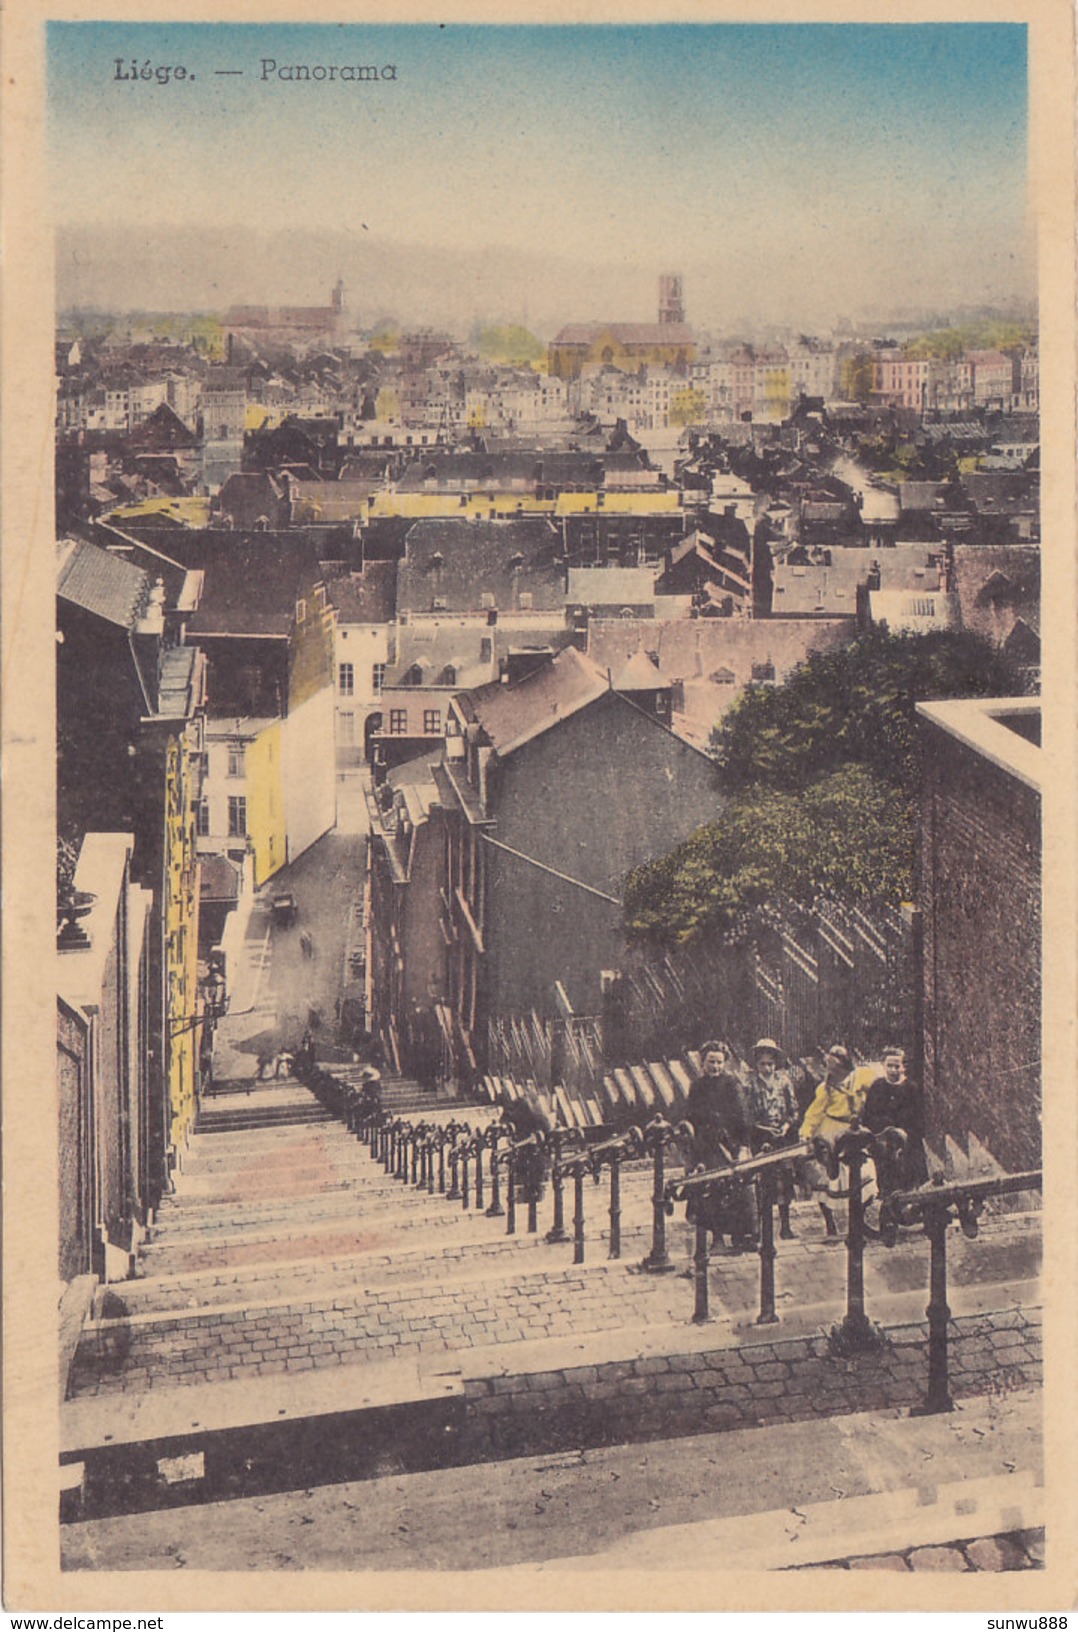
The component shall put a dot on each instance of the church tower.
(671, 306)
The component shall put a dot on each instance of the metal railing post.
(453, 1193)
(615, 1206)
(495, 1209)
(533, 1170)
(578, 1212)
(465, 1174)
(657, 1135)
(856, 1332)
(701, 1259)
(480, 1146)
(510, 1193)
(934, 1206)
(768, 1189)
(556, 1231)
(938, 1398)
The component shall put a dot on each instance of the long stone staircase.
(301, 1316)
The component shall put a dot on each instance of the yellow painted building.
(265, 802)
(625, 346)
(182, 784)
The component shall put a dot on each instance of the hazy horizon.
(543, 175)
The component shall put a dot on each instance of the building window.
(432, 721)
(346, 679)
(378, 678)
(398, 722)
(346, 730)
(202, 818)
(237, 759)
(237, 818)
(301, 611)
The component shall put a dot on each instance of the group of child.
(733, 1119)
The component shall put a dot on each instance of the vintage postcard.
(538, 681)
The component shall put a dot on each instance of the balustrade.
(935, 1207)
(496, 1132)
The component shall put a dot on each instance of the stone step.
(199, 1221)
(401, 1313)
(148, 1351)
(424, 1258)
(252, 1435)
(243, 1121)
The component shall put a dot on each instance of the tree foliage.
(849, 835)
(855, 704)
(509, 343)
(823, 773)
(858, 376)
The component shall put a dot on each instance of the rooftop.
(102, 584)
(451, 565)
(511, 715)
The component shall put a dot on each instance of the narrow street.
(293, 975)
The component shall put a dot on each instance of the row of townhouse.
(988, 379)
(196, 758)
(765, 382)
(130, 728)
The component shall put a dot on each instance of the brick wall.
(788, 1380)
(980, 888)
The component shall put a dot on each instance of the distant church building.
(291, 322)
(669, 343)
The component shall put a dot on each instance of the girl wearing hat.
(774, 1114)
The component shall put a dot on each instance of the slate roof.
(251, 580)
(997, 585)
(611, 586)
(831, 590)
(218, 879)
(627, 334)
(639, 674)
(509, 716)
(455, 562)
(714, 658)
(369, 596)
(103, 584)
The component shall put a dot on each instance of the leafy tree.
(823, 773)
(855, 704)
(849, 835)
(858, 376)
(509, 343)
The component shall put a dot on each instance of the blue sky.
(748, 152)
